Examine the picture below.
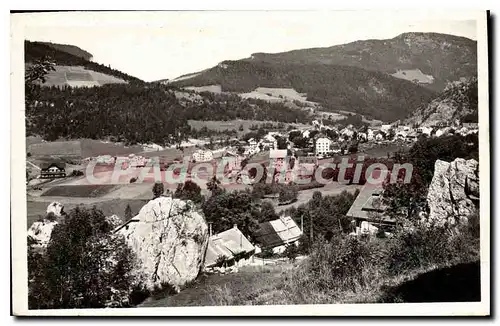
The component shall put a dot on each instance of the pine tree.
(158, 190)
(128, 212)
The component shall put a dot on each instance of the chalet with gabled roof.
(52, 170)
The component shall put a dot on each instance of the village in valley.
(249, 195)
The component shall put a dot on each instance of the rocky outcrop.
(454, 192)
(39, 232)
(114, 221)
(170, 239)
(455, 103)
(55, 208)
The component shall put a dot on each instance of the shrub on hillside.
(424, 247)
(158, 189)
(76, 173)
(339, 264)
(287, 194)
(189, 191)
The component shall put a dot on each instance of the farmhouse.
(228, 247)
(269, 142)
(368, 211)
(71, 148)
(52, 170)
(278, 234)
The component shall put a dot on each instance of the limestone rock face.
(170, 239)
(114, 220)
(39, 232)
(454, 191)
(55, 208)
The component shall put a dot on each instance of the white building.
(370, 135)
(322, 145)
(269, 141)
(202, 156)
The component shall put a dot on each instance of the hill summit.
(430, 59)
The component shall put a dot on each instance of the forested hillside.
(35, 51)
(431, 59)
(458, 102)
(231, 106)
(135, 113)
(373, 94)
(71, 49)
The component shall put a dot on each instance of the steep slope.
(458, 102)
(353, 89)
(73, 67)
(430, 59)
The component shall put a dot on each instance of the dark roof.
(369, 204)
(278, 232)
(228, 244)
(48, 165)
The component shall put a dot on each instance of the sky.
(168, 44)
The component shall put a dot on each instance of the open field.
(304, 196)
(77, 76)
(90, 191)
(382, 150)
(207, 88)
(278, 95)
(81, 148)
(372, 122)
(38, 208)
(235, 125)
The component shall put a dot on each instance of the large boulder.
(40, 232)
(454, 192)
(170, 239)
(55, 208)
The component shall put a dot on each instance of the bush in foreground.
(84, 265)
(355, 270)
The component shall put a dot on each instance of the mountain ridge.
(346, 88)
(446, 57)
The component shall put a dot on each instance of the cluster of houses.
(232, 248)
(327, 140)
